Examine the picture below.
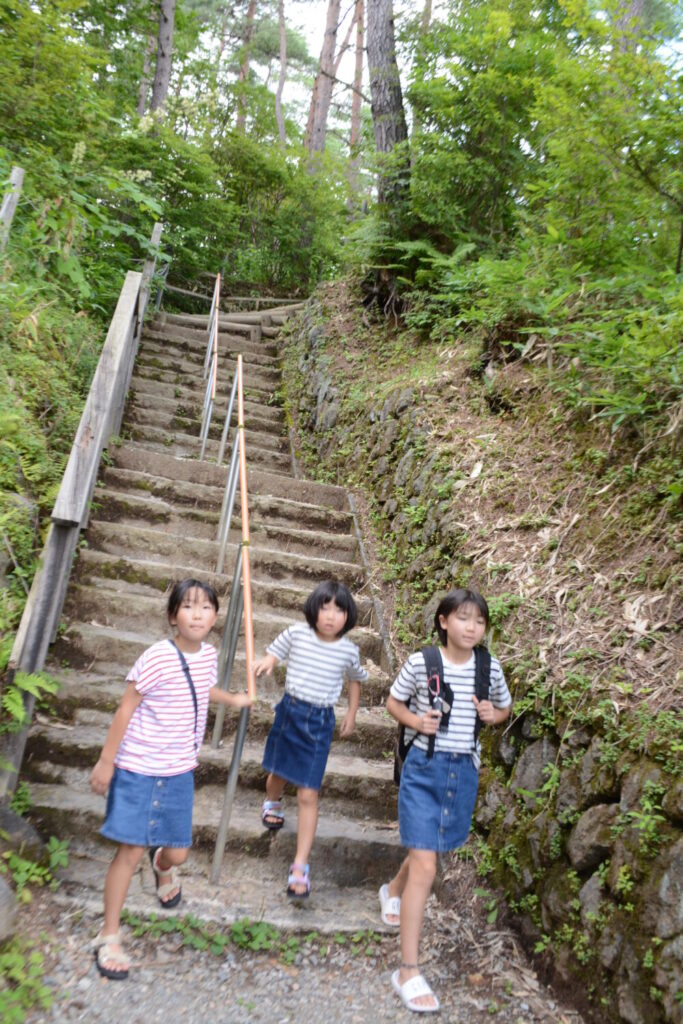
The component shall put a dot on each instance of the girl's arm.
(427, 724)
(349, 720)
(236, 700)
(104, 769)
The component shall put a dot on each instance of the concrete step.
(264, 433)
(133, 456)
(191, 358)
(138, 509)
(184, 394)
(105, 655)
(258, 416)
(107, 606)
(186, 371)
(347, 852)
(206, 499)
(365, 787)
(150, 375)
(187, 446)
(263, 352)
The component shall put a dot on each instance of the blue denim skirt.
(150, 810)
(436, 800)
(299, 742)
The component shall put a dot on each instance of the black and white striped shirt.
(316, 669)
(411, 684)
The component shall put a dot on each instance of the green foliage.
(24, 872)
(37, 685)
(21, 981)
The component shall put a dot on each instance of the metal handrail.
(240, 606)
(210, 366)
(10, 203)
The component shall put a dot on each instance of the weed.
(21, 974)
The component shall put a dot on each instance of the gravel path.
(478, 970)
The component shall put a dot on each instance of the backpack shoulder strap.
(186, 672)
(434, 666)
(482, 682)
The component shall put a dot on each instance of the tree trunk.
(146, 76)
(316, 128)
(162, 74)
(244, 69)
(357, 102)
(388, 117)
(283, 72)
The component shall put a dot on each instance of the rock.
(672, 804)
(662, 894)
(591, 838)
(8, 911)
(404, 401)
(610, 944)
(507, 749)
(19, 834)
(530, 770)
(634, 783)
(545, 842)
(590, 898)
(668, 977)
(492, 797)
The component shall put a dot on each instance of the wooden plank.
(98, 414)
(9, 204)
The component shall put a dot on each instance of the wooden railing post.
(9, 204)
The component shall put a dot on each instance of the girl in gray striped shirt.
(439, 780)
(319, 657)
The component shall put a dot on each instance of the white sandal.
(104, 953)
(391, 905)
(411, 990)
(167, 887)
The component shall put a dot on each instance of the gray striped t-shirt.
(316, 669)
(411, 683)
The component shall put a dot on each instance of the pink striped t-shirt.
(160, 738)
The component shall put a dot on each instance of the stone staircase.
(154, 520)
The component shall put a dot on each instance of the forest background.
(531, 199)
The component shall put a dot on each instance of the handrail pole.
(229, 795)
(230, 494)
(246, 565)
(226, 658)
(243, 722)
(226, 425)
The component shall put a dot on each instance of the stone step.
(184, 394)
(258, 416)
(251, 887)
(135, 457)
(191, 358)
(126, 508)
(365, 786)
(113, 538)
(107, 606)
(265, 434)
(187, 446)
(186, 371)
(261, 352)
(105, 656)
(142, 576)
(149, 375)
(347, 852)
(262, 508)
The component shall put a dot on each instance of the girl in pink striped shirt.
(149, 756)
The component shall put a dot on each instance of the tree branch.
(346, 85)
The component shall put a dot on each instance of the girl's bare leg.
(117, 882)
(170, 857)
(306, 825)
(421, 870)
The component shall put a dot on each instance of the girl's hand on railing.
(266, 665)
(101, 776)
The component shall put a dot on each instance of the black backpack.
(434, 667)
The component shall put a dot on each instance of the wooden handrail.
(246, 564)
(100, 420)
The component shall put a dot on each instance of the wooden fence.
(101, 420)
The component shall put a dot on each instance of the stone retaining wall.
(587, 846)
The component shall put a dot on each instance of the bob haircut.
(331, 590)
(180, 590)
(454, 600)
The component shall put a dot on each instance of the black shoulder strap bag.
(186, 670)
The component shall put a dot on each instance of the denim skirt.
(150, 810)
(436, 800)
(299, 742)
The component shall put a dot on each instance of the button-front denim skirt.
(436, 800)
(299, 742)
(150, 810)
